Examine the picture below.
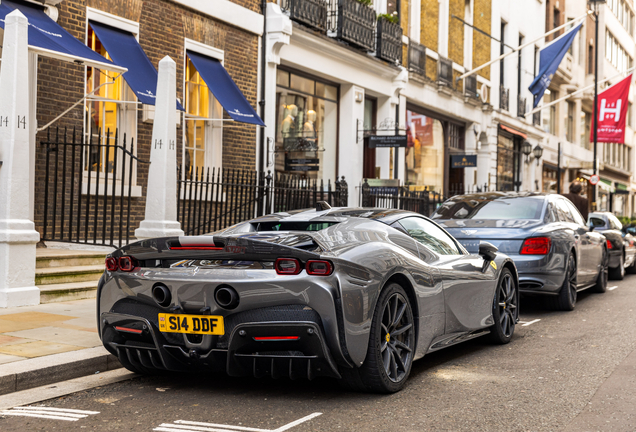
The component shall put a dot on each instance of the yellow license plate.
(191, 324)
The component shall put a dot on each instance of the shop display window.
(424, 152)
(306, 126)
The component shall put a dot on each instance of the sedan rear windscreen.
(502, 208)
(292, 226)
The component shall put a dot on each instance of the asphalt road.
(573, 371)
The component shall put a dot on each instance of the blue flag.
(549, 59)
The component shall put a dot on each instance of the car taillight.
(609, 244)
(287, 266)
(127, 264)
(536, 246)
(319, 268)
(111, 264)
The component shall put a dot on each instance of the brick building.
(228, 32)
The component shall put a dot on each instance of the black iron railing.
(417, 58)
(521, 106)
(504, 98)
(424, 202)
(353, 22)
(312, 13)
(213, 199)
(389, 41)
(445, 71)
(88, 188)
(470, 86)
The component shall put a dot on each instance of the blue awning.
(224, 89)
(48, 38)
(124, 49)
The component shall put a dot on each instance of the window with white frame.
(111, 107)
(203, 131)
(616, 54)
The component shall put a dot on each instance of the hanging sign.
(612, 113)
(463, 161)
(379, 141)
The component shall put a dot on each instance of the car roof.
(337, 214)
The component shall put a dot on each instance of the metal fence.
(214, 199)
(424, 202)
(88, 188)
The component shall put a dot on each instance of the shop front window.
(306, 126)
(202, 132)
(424, 152)
(111, 109)
(508, 163)
(549, 179)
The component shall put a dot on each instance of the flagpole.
(520, 47)
(569, 95)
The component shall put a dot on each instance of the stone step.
(46, 258)
(61, 275)
(68, 291)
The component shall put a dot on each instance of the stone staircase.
(64, 275)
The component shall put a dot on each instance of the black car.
(620, 244)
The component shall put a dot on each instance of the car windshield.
(501, 208)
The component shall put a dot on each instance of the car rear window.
(501, 208)
(292, 226)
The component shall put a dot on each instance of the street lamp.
(595, 3)
(537, 153)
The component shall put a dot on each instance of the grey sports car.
(556, 254)
(350, 293)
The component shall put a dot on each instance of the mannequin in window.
(289, 123)
(309, 129)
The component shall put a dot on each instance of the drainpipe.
(261, 103)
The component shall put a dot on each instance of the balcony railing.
(389, 37)
(353, 22)
(536, 119)
(312, 13)
(521, 106)
(417, 58)
(504, 98)
(445, 71)
(470, 86)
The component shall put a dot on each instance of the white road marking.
(524, 323)
(613, 288)
(48, 413)
(191, 426)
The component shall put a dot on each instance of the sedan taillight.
(536, 246)
(319, 268)
(112, 264)
(287, 266)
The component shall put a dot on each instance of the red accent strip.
(276, 338)
(126, 329)
(196, 248)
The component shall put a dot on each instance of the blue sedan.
(555, 252)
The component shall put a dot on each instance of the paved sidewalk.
(46, 329)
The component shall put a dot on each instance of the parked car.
(620, 244)
(350, 293)
(555, 253)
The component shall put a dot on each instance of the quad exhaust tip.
(226, 297)
(161, 294)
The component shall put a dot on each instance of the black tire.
(618, 273)
(632, 268)
(391, 346)
(601, 279)
(566, 299)
(505, 308)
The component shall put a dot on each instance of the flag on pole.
(612, 113)
(549, 59)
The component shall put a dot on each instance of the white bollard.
(161, 196)
(18, 236)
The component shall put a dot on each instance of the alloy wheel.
(397, 337)
(572, 279)
(507, 303)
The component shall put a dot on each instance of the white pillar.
(386, 114)
(351, 151)
(279, 30)
(18, 236)
(161, 195)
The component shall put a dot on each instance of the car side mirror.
(591, 227)
(487, 250)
